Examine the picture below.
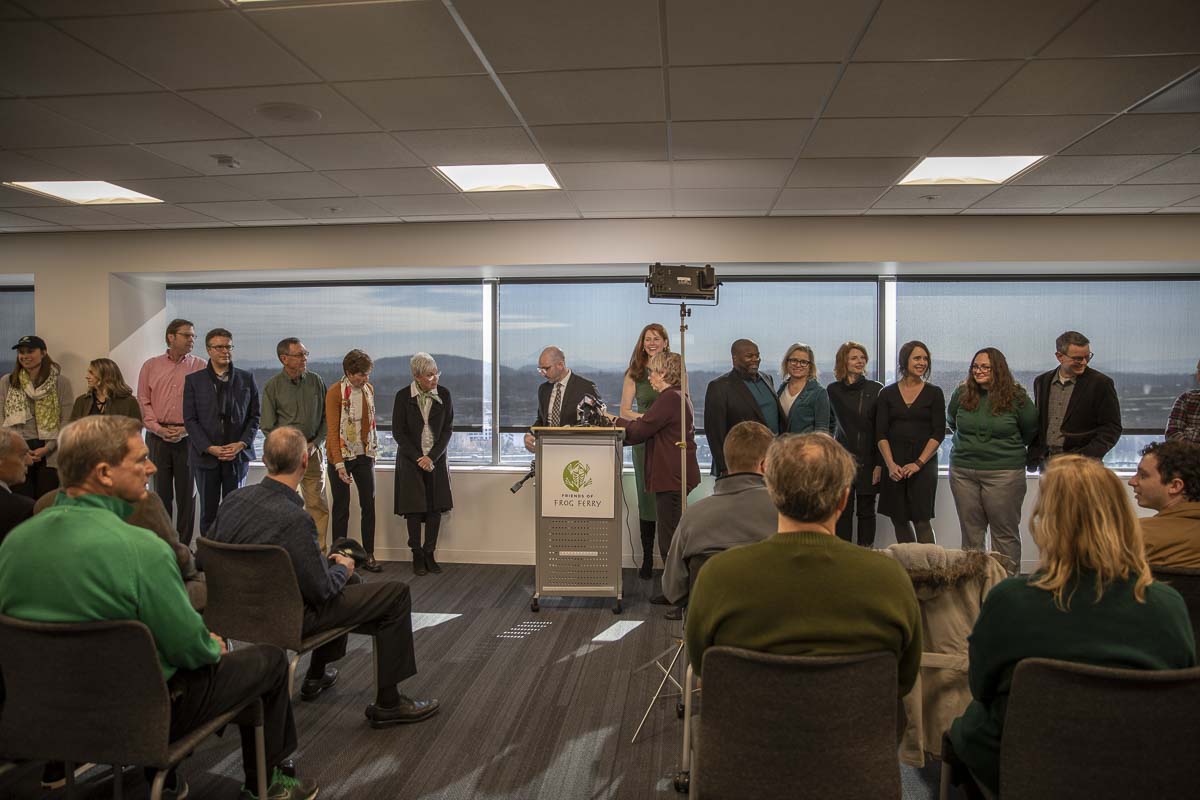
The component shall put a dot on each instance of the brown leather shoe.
(407, 710)
(372, 565)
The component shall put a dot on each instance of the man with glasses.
(560, 395)
(296, 397)
(1078, 409)
(220, 412)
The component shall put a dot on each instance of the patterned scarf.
(425, 401)
(44, 400)
(351, 431)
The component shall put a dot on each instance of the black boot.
(646, 571)
(419, 567)
(430, 563)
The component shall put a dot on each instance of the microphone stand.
(684, 313)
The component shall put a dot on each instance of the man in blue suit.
(220, 412)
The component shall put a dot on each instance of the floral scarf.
(351, 432)
(43, 399)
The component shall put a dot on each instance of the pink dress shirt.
(160, 390)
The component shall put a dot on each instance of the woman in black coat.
(852, 398)
(422, 424)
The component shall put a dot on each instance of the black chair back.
(797, 726)
(1187, 583)
(694, 564)
(1077, 730)
(253, 595)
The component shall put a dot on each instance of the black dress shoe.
(418, 563)
(288, 767)
(646, 570)
(432, 565)
(312, 687)
(372, 565)
(407, 710)
(660, 600)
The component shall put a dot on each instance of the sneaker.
(312, 687)
(407, 710)
(54, 775)
(285, 787)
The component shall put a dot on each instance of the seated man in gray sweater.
(739, 511)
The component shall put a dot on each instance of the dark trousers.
(198, 695)
(173, 482)
(432, 519)
(214, 484)
(383, 610)
(669, 507)
(864, 509)
(39, 478)
(362, 471)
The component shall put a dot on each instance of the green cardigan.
(983, 440)
(1021, 621)
(806, 594)
(78, 561)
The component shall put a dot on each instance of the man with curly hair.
(1168, 481)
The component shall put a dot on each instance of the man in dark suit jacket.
(1078, 409)
(220, 412)
(14, 463)
(742, 394)
(559, 396)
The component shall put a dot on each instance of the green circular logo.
(575, 476)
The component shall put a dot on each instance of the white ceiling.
(677, 108)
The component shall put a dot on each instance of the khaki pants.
(312, 487)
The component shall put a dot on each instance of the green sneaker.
(285, 787)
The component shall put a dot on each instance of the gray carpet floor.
(533, 705)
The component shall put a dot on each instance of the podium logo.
(575, 476)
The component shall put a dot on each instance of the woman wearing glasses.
(993, 420)
(804, 400)
(422, 424)
(637, 387)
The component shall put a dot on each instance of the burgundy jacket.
(659, 429)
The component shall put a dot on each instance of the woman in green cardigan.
(107, 393)
(804, 400)
(994, 421)
(1091, 600)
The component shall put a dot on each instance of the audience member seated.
(739, 511)
(1091, 600)
(1168, 481)
(804, 591)
(78, 561)
(14, 464)
(272, 512)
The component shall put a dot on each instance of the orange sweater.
(333, 422)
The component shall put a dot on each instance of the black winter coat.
(407, 425)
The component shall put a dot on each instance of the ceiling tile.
(124, 226)
(619, 95)
(287, 185)
(651, 214)
(1083, 170)
(937, 29)
(724, 199)
(623, 200)
(194, 50)
(1179, 98)
(1143, 133)
(333, 208)
(566, 34)
(111, 163)
(90, 8)
(981, 211)
(1192, 201)
(426, 205)
(243, 211)
(1085, 86)
(750, 92)
(339, 220)
(1121, 28)
(829, 172)
(917, 89)
(1015, 136)
(276, 223)
(723, 213)
(16, 167)
(537, 202)
(373, 40)
(910, 212)
(160, 214)
(1142, 196)
(535, 216)
(187, 190)
(15, 198)
(816, 212)
(614, 175)
(426, 103)
(1037, 196)
(36, 59)
(763, 31)
(366, 182)
(471, 146)
(10, 220)
(761, 138)
(70, 215)
(137, 118)
(1107, 211)
(636, 142)
(252, 156)
(27, 124)
(419, 218)
(346, 151)
(732, 174)
(930, 197)
(816, 199)
(897, 136)
(1182, 170)
(1180, 209)
(337, 115)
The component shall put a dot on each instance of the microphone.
(516, 487)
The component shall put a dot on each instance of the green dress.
(644, 397)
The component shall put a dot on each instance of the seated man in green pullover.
(79, 561)
(804, 591)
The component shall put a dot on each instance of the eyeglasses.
(1078, 359)
(223, 347)
(432, 375)
(544, 370)
(981, 368)
(798, 362)
(297, 355)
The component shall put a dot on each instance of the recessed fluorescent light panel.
(985, 170)
(88, 193)
(500, 177)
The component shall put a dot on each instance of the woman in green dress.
(636, 387)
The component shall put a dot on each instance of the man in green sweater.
(804, 591)
(79, 561)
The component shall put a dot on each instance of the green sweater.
(983, 440)
(78, 561)
(806, 594)
(1020, 621)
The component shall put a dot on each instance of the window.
(16, 318)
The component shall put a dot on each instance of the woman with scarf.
(107, 393)
(422, 424)
(352, 445)
(36, 403)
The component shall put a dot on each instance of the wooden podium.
(580, 513)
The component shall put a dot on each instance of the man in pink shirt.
(160, 394)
